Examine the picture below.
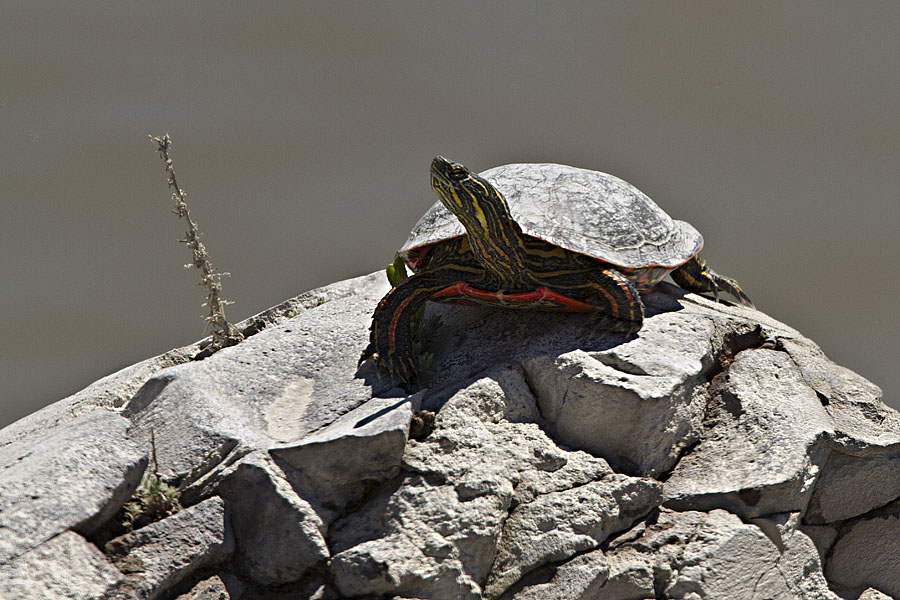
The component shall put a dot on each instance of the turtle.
(537, 236)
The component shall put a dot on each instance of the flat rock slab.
(275, 387)
(66, 566)
(158, 556)
(115, 390)
(763, 445)
(363, 446)
(71, 477)
(280, 536)
(109, 393)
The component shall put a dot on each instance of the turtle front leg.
(696, 276)
(390, 339)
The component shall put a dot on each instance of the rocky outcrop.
(717, 454)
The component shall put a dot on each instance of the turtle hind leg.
(624, 307)
(620, 307)
(696, 276)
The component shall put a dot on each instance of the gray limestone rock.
(560, 525)
(581, 578)
(335, 464)
(208, 589)
(418, 539)
(866, 554)
(712, 555)
(280, 536)
(73, 476)
(158, 556)
(636, 404)
(873, 594)
(277, 386)
(109, 393)
(862, 471)
(690, 555)
(437, 533)
(850, 485)
(65, 566)
(558, 460)
(763, 443)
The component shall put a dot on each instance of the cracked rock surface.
(716, 454)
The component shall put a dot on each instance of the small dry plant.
(223, 333)
(153, 500)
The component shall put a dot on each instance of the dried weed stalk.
(223, 333)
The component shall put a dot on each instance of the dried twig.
(223, 333)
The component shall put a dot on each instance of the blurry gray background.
(303, 133)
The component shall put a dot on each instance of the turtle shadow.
(476, 339)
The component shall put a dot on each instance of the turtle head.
(495, 237)
(474, 201)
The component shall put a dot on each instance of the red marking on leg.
(460, 290)
(623, 283)
(457, 289)
(613, 305)
(393, 324)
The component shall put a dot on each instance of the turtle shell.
(585, 211)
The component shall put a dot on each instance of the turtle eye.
(457, 172)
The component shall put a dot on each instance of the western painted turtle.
(556, 238)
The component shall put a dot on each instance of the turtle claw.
(729, 285)
(401, 367)
(696, 276)
(367, 355)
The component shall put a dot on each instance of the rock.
(712, 555)
(208, 589)
(690, 555)
(156, 557)
(716, 454)
(428, 542)
(763, 444)
(277, 386)
(217, 587)
(865, 554)
(873, 594)
(439, 540)
(636, 404)
(280, 535)
(109, 393)
(862, 471)
(71, 477)
(559, 525)
(65, 566)
(581, 578)
(850, 485)
(822, 536)
(366, 445)
(115, 390)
